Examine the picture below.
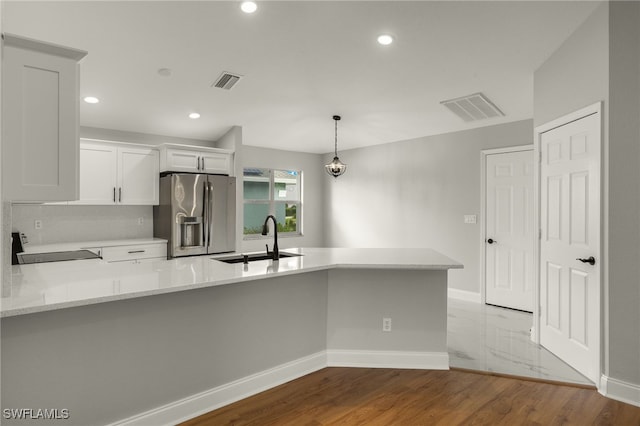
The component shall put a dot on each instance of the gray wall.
(109, 361)
(623, 280)
(576, 75)
(416, 302)
(313, 181)
(415, 194)
(63, 223)
(601, 62)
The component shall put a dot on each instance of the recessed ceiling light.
(385, 39)
(194, 115)
(91, 99)
(249, 6)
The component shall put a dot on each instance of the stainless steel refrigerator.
(196, 214)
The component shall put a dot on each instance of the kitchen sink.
(239, 258)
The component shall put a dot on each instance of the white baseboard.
(195, 405)
(388, 359)
(201, 403)
(620, 390)
(468, 296)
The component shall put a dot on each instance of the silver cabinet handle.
(114, 194)
(203, 166)
(136, 251)
(120, 194)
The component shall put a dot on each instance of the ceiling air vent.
(473, 107)
(226, 80)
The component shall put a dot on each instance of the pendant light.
(336, 167)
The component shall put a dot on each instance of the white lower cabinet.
(133, 253)
(115, 173)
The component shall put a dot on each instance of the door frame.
(483, 210)
(595, 108)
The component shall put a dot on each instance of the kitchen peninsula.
(162, 341)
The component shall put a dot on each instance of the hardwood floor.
(366, 396)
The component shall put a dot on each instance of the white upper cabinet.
(118, 173)
(194, 159)
(40, 105)
(139, 176)
(98, 173)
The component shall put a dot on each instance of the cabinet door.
(40, 126)
(215, 163)
(98, 173)
(183, 161)
(139, 176)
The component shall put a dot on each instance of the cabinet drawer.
(142, 251)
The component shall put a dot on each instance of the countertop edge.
(155, 292)
(18, 311)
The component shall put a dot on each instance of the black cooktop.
(56, 256)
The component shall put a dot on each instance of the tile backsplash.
(65, 223)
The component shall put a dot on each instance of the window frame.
(272, 202)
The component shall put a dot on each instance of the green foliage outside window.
(274, 192)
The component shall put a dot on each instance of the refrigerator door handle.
(205, 213)
(209, 207)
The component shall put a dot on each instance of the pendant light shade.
(336, 167)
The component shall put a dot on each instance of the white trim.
(506, 149)
(209, 400)
(483, 208)
(620, 390)
(467, 296)
(537, 156)
(388, 359)
(212, 399)
(568, 118)
(595, 108)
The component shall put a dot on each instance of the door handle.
(205, 212)
(590, 260)
(491, 241)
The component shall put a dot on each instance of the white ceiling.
(302, 62)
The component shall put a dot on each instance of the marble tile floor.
(488, 338)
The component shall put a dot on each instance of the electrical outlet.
(37, 224)
(140, 220)
(470, 218)
(386, 324)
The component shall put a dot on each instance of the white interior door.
(509, 249)
(570, 228)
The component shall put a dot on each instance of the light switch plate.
(470, 218)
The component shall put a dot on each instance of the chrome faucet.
(265, 231)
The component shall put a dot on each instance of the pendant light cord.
(336, 147)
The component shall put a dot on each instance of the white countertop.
(58, 285)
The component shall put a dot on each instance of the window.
(276, 192)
